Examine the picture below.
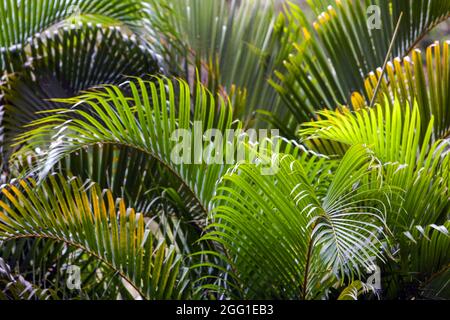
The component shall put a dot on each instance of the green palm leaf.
(354, 290)
(411, 161)
(338, 53)
(21, 20)
(142, 115)
(287, 241)
(423, 264)
(65, 211)
(411, 83)
(65, 62)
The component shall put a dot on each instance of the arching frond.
(144, 116)
(346, 44)
(82, 217)
(63, 63)
(410, 160)
(21, 20)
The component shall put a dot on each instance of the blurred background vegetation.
(441, 32)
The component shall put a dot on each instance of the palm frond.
(355, 290)
(63, 63)
(286, 241)
(410, 82)
(145, 121)
(22, 20)
(341, 49)
(82, 217)
(236, 45)
(422, 268)
(411, 161)
(15, 287)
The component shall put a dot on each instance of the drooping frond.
(82, 217)
(151, 118)
(63, 63)
(21, 20)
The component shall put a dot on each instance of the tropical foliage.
(100, 202)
